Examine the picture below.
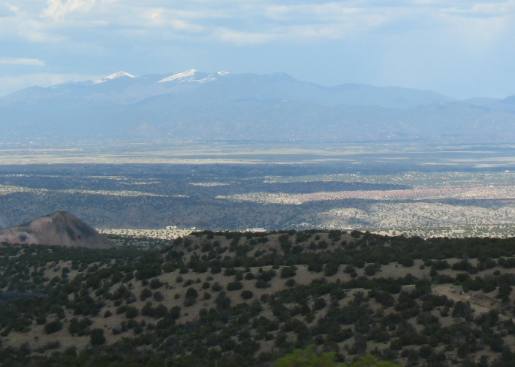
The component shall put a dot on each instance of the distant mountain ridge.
(199, 105)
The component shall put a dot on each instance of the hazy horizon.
(93, 78)
(456, 49)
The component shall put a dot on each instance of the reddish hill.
(59, 229)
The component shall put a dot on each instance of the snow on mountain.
(179, 76)
(196, 105)
(193, 75)
(114, 76)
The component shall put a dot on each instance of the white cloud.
(171, 19)
(246, 22)
(7, 9)
(243, 38)
(493, 8)
(321, 10)
(478, 33)
(21, 61)
(25, 23)
(479, 25)
(58, 9)
(480, 9)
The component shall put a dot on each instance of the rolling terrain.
(232, 299)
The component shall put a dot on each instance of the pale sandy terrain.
(425, 219)
(169, 233)
(417, 193)
(7, 190)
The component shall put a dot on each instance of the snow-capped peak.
(114, 76)
(193, 76)
(182, 75)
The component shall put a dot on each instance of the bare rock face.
(57, 229)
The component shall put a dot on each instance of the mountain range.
(225, 106)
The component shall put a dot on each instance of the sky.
(462, 48)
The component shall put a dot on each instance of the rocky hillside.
(58, 229)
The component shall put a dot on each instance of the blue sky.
(460, 48)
